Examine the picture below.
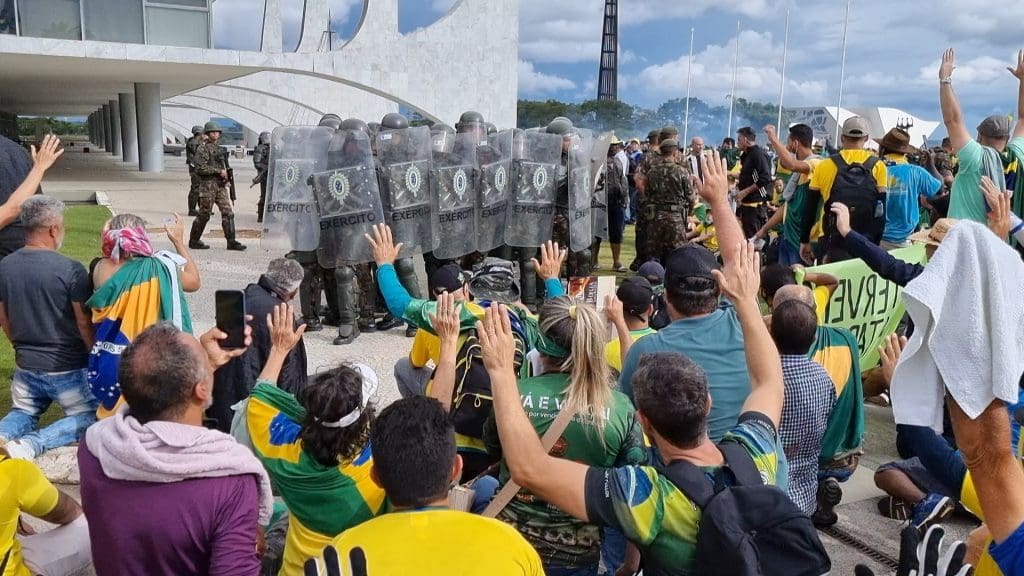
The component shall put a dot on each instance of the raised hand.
(770, 132)
(284, 336)
(613, 309)
(1018, 71)
(741, 279)
(715, 187)
(175, 230)
(384, 249)
(551, 259)
(47, 153)
(890, 355)
(497, 343)
(948, 64)
(999, 208)
(446, 321)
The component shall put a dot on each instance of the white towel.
(968, 313)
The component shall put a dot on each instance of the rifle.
(231, 183)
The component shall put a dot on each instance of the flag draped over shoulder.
(141, 293)
(322, 501)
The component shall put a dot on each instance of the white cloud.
(533, 82)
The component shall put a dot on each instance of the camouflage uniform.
(651, 159)
(668, 201)
(210, 161)
(190, 158)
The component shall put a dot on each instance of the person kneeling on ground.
(163, 495)
(62, 551)
(43, 314)
(415, 462)
(314, 446)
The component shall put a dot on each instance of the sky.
(893, 48)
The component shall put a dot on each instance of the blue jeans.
(31, 395)
(570, 570)
(943, 461)
(788, 254)
(484, 489)
(613, 549)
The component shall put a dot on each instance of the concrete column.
(103, 127)
(108, 129)
(115, 123)
(129, 128)
(150, 126)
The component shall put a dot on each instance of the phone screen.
(231, 317)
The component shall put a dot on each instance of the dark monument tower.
(608, 77)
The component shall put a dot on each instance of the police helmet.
(394, 121)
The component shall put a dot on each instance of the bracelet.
(946, 80)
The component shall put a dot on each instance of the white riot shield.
(599, 201)
(348, 200)
(454, 178)
(494, 189)
(581, 190)
(404, 179)
(291, 221)
(535, 159)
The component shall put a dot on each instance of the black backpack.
(856, 187)
(747, 528)
(472, 398)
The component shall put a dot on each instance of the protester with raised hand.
(704, 328)
(604, 433)
(18, 183)
(672, 399)
(315, 445)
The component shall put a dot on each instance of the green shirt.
(967, 202)
(794, 218)
(559, 538)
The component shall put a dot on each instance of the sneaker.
(20, 450)
(829, 496)
(933, 509)
(895, 508)
(388, 322)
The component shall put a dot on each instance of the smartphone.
(231, 317)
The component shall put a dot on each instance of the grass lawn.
(81, 242)
(628, 253)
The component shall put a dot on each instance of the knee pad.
(344, 275)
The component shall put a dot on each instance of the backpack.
(747, 528)
(856, 187)
(472, 398)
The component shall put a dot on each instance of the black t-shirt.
(755, 168)
(15, 164)
(38, 288)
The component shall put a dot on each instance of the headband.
(132, 241)
(550, 348)
(370, 384)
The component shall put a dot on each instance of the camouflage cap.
(653, 136)
(669, 145)
(669, 132)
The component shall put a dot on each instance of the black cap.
(447, 278)
(636, 294)
(690, 261)
(653, 271)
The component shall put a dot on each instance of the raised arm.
(741, 282)
(613, 312)
(952, 116)
(190, 280)
(446, 324)
(786, 158)
(715, 192)
(1018, 72)
(42, 160)
(385, 252)
(284, 337)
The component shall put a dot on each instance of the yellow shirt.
(442, 542)
(612, 351)
(425, 346)
(824, 175)
(23, 488)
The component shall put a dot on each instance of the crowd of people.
(700, 421)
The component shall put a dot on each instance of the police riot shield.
(291, 221)
(581, 190)
(494, 189)
(535, 159)
(599, 201)
(405, 160)
(348, 200)
(453, 181)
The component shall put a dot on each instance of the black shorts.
(616, 222)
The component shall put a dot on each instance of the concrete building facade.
(108, 58)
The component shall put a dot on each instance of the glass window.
(237, 24)
(196, 3)
(51, 19)
(7, 24)
(171, 27)
(113, 20)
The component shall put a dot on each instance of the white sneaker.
(20, 450)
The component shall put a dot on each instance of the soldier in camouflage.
(261, 160)
(212, 168)
(190, 158)
(670, 197)
(650, 159)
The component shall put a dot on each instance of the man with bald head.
(837, 351)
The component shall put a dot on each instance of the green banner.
(865, 303)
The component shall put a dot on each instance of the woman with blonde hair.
(604, 431)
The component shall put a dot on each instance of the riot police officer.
(261, 161)
(578, 263)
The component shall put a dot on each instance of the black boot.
(388, 322)
(346, 335)
(195, 238)
(229, 233)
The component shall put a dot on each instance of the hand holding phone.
(231, 316)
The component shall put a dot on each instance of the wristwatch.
(946, 80)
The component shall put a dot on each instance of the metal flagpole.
(735, 69)
(782, 85)
(689, 77)
(842, 71)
